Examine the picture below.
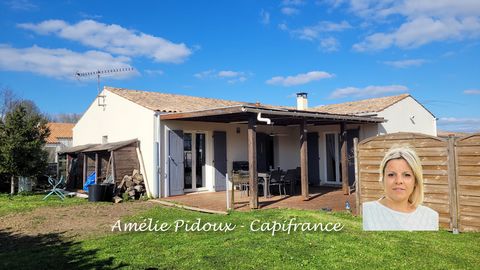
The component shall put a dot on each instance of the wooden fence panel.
(468, 182)
(434, 155)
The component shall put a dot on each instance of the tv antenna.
(98, 73)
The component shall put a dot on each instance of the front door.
(264, 152)
(194, 157)
(332, 165)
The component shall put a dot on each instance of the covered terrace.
(256, 114)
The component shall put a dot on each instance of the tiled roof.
(372, 105)
(59, 130)
(170, 102)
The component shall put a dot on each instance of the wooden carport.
(279, 117)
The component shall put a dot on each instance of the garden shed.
(116, 159)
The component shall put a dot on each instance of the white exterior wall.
(236, 146)
(399, 118)
(120, 120)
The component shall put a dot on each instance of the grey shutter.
(175, 162)
(220, 159)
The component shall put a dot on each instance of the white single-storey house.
(189, 143)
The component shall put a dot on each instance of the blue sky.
(266, 51)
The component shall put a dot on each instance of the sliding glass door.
(194, 160)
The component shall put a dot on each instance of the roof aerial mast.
(99, 73)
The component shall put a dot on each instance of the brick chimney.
(302, 101)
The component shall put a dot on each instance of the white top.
(378, 217)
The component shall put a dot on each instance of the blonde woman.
(400, 208)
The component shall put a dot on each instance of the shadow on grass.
(48, 251)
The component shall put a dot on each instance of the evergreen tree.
(23, 132)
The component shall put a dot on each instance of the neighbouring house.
(61, 137)
(190, 143)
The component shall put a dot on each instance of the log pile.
(131, 187)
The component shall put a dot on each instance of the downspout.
(261, 119)
(156, 151)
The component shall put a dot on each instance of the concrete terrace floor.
(320, 197)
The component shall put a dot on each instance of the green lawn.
(23, 203)
(350, 248)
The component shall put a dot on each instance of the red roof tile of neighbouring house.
(60, 131)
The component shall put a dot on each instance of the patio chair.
(57, 187)
(240, 180)
(276, 179)
(291, 178)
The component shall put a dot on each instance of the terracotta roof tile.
(170, 102)
(59, 130)
(365, 106)
(181, 103)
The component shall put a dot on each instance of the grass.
(350, 248)
(24, 203)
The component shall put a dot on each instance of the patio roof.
(97, 147)
(283, 117)
(110, 146)
(76, 149)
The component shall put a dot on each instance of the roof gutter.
(314, 115)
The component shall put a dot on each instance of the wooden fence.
(451, 171)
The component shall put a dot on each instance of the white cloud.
(459, 124)
(369, 91)
(153, 72)
(406, 63)
(289, 11)
(293, 2)
(265, 17)
(421, 31)
(318, 33)
(229, 75)
(421, 22)
(23, 5)
(472, 92)
(113, 39)
(329, 44)
(283, 26)
(204, 74)
(58, 63)
(313, 32)
(299, 78)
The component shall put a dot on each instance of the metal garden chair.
(57, 187)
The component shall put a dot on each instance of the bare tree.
(8, 100)
(64, 117)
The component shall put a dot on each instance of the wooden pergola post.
(252, 163)
(344, 159)
(304, 160)
(85, 164)
(96, 168)
(67, 163)
(112, 157)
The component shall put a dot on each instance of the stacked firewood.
(131, 187)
